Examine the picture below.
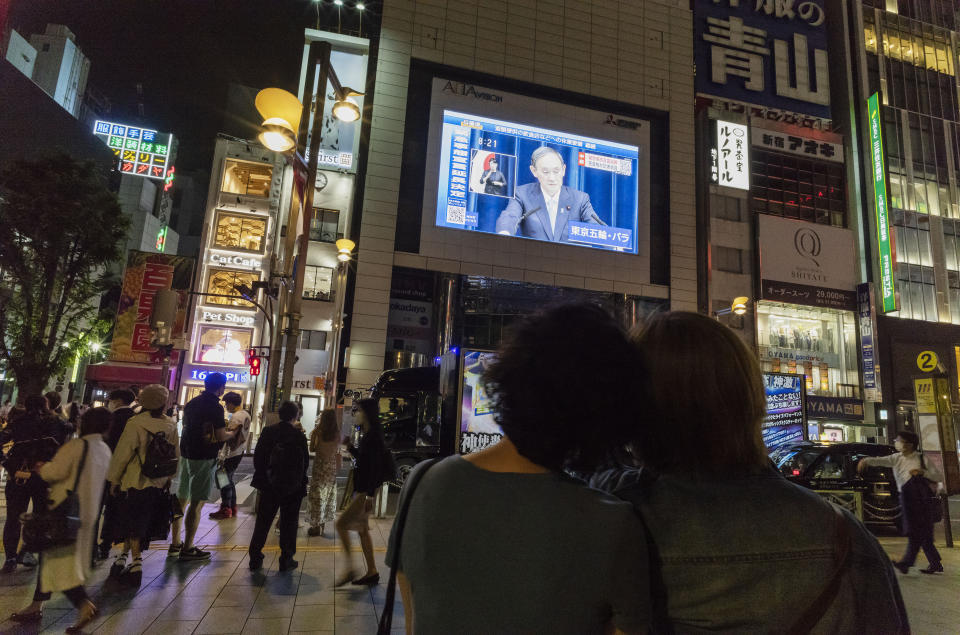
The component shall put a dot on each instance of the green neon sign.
(888, 293)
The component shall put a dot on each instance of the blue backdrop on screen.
(785, 420)
(484, 164)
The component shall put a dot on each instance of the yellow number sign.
(927, 361)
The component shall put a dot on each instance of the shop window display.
(223, 281)
(218, 345)
(818, 343)
(247, 179)
(240, 232)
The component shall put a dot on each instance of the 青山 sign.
(227, 317)
(142, 152)
(235, 261)
(732, 157)
(805, 263)
(767, 52)
(796, 144)
(888, 295)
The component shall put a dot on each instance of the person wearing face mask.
(915, 478)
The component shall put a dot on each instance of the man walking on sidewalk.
(204, 431)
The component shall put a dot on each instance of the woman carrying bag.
(79, 468)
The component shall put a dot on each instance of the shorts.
(356, 516)
(196, 479)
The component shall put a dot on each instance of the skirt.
(142, 513)
(356, 516)
(322, 493)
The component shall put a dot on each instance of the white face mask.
(898, 445)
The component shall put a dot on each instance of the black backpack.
(161, 457)
(285, 468)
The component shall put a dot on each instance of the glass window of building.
(727, 259)
(223, 281)
(240, 231)
(818, 343)
(794, 187)
(313, 340)
(246, 178)
(323, 225)
(725, 207)
(219, 345)
(317, 283)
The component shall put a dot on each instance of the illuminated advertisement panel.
(141, 151)
(478, 428)
(519, 179)
(888, 294)
(785, 420)
(222, 345)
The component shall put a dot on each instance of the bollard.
(947, 529)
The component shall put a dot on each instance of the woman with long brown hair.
(322, 495)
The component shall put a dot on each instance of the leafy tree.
(60, 228)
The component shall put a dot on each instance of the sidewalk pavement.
(223, 596)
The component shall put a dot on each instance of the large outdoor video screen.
(517, 179)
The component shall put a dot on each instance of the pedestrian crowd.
(631, 492)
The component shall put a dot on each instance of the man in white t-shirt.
(906, 464)
(232, 453)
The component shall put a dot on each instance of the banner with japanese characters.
(147, 273)
(785, 421)
(731, 158)
(478, 426)
(771, 53)
(796, 144)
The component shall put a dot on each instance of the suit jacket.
(573, 205)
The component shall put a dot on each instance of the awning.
(125, 374)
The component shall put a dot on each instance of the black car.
(831, 468)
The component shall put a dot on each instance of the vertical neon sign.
(888, 293)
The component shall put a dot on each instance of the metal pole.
(331, 388)
(296, 301)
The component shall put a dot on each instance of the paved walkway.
(223, 596)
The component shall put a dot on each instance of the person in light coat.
(67, 568)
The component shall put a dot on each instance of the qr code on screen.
(456, 214)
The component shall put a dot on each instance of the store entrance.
(311, 410)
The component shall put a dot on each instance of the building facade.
(61, 68)
(463, 95)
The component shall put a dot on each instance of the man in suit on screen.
(542, 209)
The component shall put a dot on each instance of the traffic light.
(254, 360)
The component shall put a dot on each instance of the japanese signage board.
(785, 421)
(842, 408)
(478, 427)
(141, 151)
(888, 295)
(925, 396)
(805, 263)
(145, 274)
(767, 52)
(732, 158)
(868, 330)
(796, 144)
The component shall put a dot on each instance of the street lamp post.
(344, 249)
(277, 134)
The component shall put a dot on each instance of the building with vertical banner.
(778, 224)
(900, 100)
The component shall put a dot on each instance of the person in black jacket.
(373, 465)
(32, 436)
(280, 465)
(119, 404)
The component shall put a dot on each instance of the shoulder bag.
(56, 527)
(386, 619)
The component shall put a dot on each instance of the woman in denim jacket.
(739, 549)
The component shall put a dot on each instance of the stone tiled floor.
(223, 596)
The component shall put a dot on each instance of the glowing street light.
(281, 112)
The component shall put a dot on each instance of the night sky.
(184, 53)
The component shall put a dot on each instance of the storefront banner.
(732, 157)
(410, 326)
(478, 428)
(785, 421)
(233, 375)
(925, 396)
(805, 263)
(796, 144)
(145, 274)
(868, 329)
(842, 408)
(888, 293)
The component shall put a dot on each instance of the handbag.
(933, 505)
(221, 477)
(386, 618)
(59, 526)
